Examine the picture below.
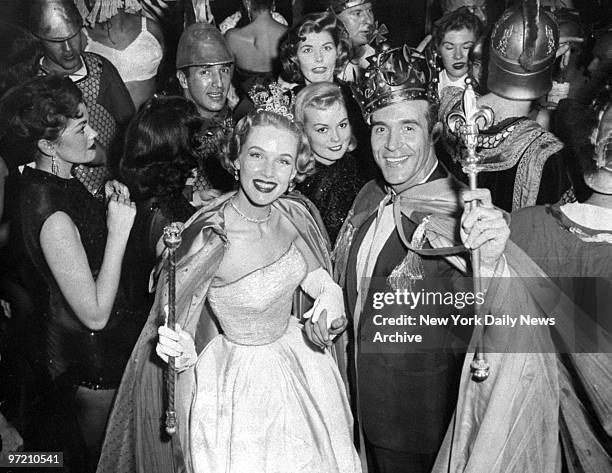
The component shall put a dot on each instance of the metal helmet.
(54, 20)
(524, 42)
(202, 44)
(338, 6)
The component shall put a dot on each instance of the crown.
(396, 75)
(272, 98)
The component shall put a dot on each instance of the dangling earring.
(54, 166)
(273, 9)
(291, 186)
(236, 174)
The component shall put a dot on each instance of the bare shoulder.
(58, 224)
(155, 29)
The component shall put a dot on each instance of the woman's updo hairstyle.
(304, 163)
(160, 147)
(36, 110)
(313, 23)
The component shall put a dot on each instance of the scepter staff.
(172, 240)
(465, 124)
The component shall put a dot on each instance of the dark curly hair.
(313, 23)
(36, 110)
(160, 147)
(304, 162)
(459, 19)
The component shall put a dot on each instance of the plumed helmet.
(54, 20)
(523, 46)
(338, 6)
(396, 75)
(201, 44)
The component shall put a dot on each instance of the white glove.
(328, 309)
(176, 343)
(319, 285)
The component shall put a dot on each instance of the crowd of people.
(198, 229)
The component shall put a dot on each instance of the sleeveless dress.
(266, 401)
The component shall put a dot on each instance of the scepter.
(465, 124)
(172, 240)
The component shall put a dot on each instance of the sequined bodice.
(255, 309)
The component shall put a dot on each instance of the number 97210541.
(30, 459)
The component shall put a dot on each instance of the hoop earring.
(291, 186)
(54, 166)
(236, 174)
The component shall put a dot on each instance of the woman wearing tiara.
(262, 396)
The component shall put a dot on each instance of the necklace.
(249, 219)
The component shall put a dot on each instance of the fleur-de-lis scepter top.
(465, 123)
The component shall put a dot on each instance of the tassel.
(411, 268)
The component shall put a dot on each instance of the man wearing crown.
(405, 396)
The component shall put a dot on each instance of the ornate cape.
(519, 142)
(134, 440)
(511, 422)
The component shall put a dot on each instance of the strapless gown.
(266, 400)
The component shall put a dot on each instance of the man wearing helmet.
(405, 390)
(57, 23)
(204, 69)
(522, 158)
(357, 17)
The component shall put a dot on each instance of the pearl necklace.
(249, 219)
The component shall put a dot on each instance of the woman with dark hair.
(332, 188)
(455, 35)
(74, 246)
(158, 155)
(259, 396)
(315, 50)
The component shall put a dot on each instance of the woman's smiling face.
(267, 163)
(328, 131)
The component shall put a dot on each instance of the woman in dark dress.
(74, 246)
(336, 182)
(158, 154)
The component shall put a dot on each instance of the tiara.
(272, 98)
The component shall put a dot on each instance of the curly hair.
(36, 110)
(320, 96)
(462, 18)
(313, 23)
(304, 164)
(160, 147)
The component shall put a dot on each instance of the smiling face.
(454, 51)
(267, 163)
(76, 144)
(63, 57)
(207, 87)
(359, 22)
(328, 131)
(402, 144)
(317, 56)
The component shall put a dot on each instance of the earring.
(54, 166)
(291, 186)
(236, 174)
